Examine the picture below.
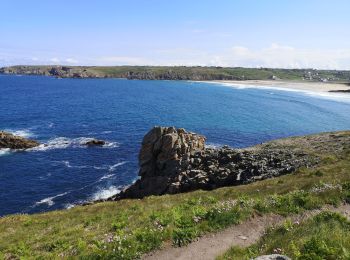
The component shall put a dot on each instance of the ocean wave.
(110, 168)
(69, 206)
(106, 132)
(107, 176)
(5, 151)
(26, 133)
(45, 177)
(65, 142)
(68, 165)
(49, 200)
(213, 145)
(105, 193)
(113, 167)
(111, 145)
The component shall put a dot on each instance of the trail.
(210, 246)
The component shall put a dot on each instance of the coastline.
(317, 87)
(338, 92)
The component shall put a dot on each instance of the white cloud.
(198, 31)
(274, 55)
(55, 60)
(279, 56)
(122, 60)
(72, 61)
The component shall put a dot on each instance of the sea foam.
(113, 167)
(65, 142)
(49, 200)
(26, 133)
(5, 151)
(107, 176)
(105, 193)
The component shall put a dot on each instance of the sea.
(62, 114)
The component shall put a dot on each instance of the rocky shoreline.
(173, 161)
(10, 141)
(195, 73)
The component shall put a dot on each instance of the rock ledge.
(8, 140)
(173, 161)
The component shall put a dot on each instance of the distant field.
(181, 73)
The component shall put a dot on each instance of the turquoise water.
(62, 113)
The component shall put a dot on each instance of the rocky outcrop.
(55, 71)
(164, 153)
(11, 141)
(174, 160)
(95, 142)
(340, 91)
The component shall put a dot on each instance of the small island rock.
(8, 140)
(95, 142)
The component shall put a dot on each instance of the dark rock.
(164, 152)
(8, 140)
(95, 142)
(173, 160)
(340, 91)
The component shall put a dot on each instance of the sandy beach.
(320, 87)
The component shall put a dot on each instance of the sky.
(245, 33)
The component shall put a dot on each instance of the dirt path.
(212, 245)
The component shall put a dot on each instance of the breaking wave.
(68, 165)
(213, 145)
(26, 133)
(111, 145)
(49, 200)
(69, 206)
(107, 176)
(5, 151)
(105, 193)
(113, 167)
(65, 142)
(110, 168)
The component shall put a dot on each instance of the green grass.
(198, 72)
(129, 228)
(325, 236)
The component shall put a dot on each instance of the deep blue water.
(62, 112)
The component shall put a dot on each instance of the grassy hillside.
(181, 73)
(129, 228)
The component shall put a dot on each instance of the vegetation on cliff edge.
(181, 73)
(127, 229)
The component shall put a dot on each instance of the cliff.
(175, 161)
(180, 73)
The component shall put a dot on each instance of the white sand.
(315, 89)
(319, 87)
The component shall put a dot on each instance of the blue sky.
(249, 33)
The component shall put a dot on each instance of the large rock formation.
(174, 160)
(164, 153)
(8, 140)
